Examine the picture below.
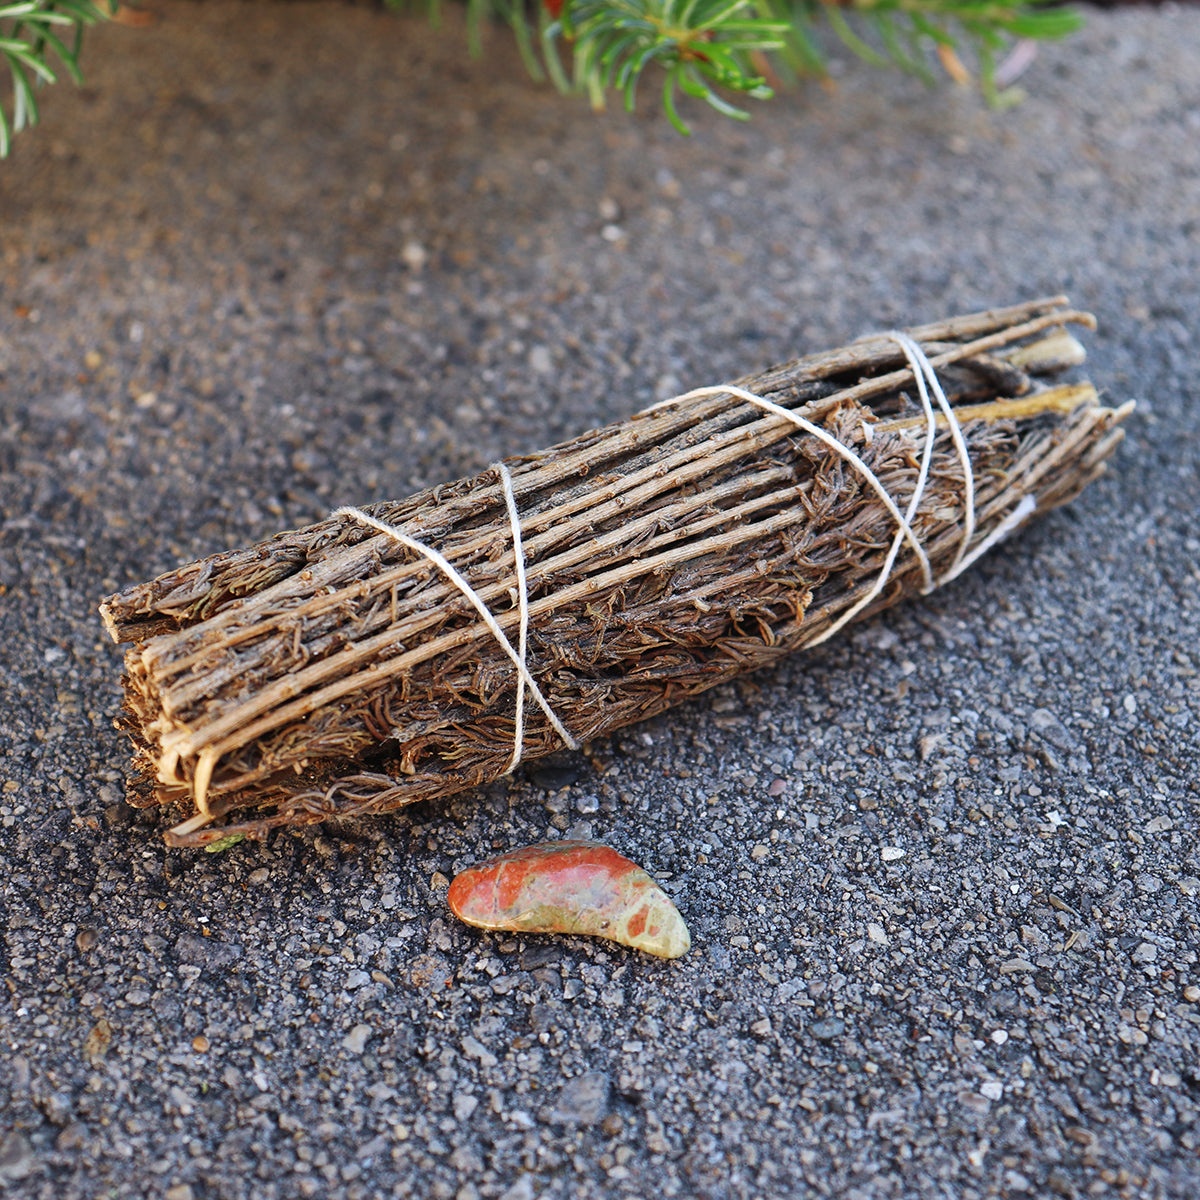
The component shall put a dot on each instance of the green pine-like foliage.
(38, 40)
(710, 50)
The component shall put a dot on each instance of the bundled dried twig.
(335, 670)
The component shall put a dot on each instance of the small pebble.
(1014, 965)
(200, 1044)
(17, 1158)
(993, 1089)
(581, 1101)
(1053, 730)
(575, 887)
(1191, 993)
(827, 1029)
(414, 255)
(97, 1043)
(891, 853)
(474, 1048)
(523, 1189)
(206, 952)
(73, 1137)
(355, 1042)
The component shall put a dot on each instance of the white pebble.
(415, 255)
(355, 1042)
(993, 1089)
(891, 853)
(999, 1036)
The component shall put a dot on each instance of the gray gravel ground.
(278, 258)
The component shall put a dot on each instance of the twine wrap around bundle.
(368, 661)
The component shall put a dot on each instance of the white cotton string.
(844, 451)
(518, 657)
(925, 378)
(514, 521)
(923, 374)
(922, 370)
(840, 448)
(1025, 506)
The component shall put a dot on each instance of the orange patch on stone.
(637, 923)
(510, 881)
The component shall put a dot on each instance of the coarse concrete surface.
(941, 875)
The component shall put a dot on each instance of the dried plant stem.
(332, 670)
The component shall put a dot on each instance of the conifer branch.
(706, 49)
(34, 36)
(709, 48)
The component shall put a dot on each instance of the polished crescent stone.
(571, 887)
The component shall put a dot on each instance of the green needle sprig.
(714, 51)
(35, 35)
